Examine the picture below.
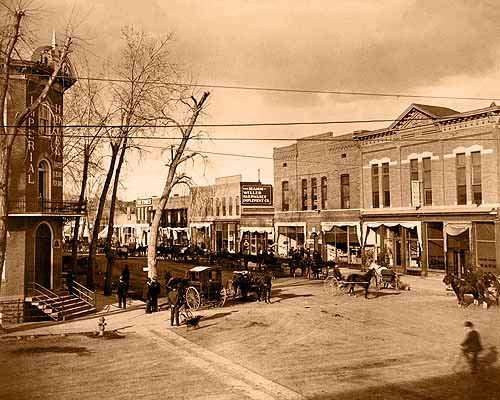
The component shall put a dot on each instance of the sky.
(430, 48)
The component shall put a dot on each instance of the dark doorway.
(43, 255)
(458, 253)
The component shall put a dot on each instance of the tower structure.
(36, 209)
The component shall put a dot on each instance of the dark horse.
(362, 280)
(462, 287)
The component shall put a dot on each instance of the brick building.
(232, 215)
(36, 209)
(430, 189)
(317, 196)
(425, 191)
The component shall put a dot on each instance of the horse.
(462, 287)
(264, 284)
(362, 280)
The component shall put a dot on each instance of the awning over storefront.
(328, 226)
(258, 229)
(200, 225)
(455, 229)
(406, 224)
(174, 232)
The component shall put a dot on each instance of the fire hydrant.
(101, 325)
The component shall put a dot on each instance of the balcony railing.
(46, 207)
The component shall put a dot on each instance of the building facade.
(232, 216)
(36, 209)
(424, 192)
(317, 197)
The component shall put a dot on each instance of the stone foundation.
(12, 311)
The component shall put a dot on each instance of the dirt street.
(306, 344)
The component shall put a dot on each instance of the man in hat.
(471, 345)
(154, 292)
(122, 292)
(146, 294)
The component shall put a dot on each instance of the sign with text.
(415, 193)
(256, 194)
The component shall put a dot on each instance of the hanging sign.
(256, 194)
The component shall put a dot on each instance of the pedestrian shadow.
(287, 296)
(376, 295)
(217, 315)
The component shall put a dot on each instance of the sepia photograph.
(249, 199)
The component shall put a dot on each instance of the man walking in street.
(471, 346)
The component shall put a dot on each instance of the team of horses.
(483, 286)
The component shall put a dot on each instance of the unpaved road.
(306, 344)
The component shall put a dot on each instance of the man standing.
(147, 295)
(154, 289)
(122, 293)
(126, 275)
(471, 346)
(70, 277)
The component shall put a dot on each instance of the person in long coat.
(122, 291)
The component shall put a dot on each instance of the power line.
(275, 89)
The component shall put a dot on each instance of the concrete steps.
(63, 307)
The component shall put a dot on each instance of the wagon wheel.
(222, 298)
(337, 287)
(193, 299)
(344, 287)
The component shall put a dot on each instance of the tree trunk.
(109, 253)
(170, 183)
(81, 199)
(4, 203)
(98, 217)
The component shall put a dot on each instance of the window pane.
(486, 254)
(435, 230)
(435, 255)
(462, 195)
(485, 231)
(461, 160)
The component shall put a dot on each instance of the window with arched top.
(43, 182)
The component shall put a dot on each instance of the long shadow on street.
(480, 386)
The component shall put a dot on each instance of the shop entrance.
(458, 253)
(43, 255)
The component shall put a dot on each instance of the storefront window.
(485, 245)
(290, 237)
(342, 245)
(435, 246)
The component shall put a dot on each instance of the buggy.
(205, 287)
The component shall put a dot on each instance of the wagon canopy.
(199, 269)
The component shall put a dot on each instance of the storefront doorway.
(43, 256)
(458, 253)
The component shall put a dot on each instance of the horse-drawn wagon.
(205, 287)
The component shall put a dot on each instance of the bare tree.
(173, 177)
(14, 33)
(88, 115)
